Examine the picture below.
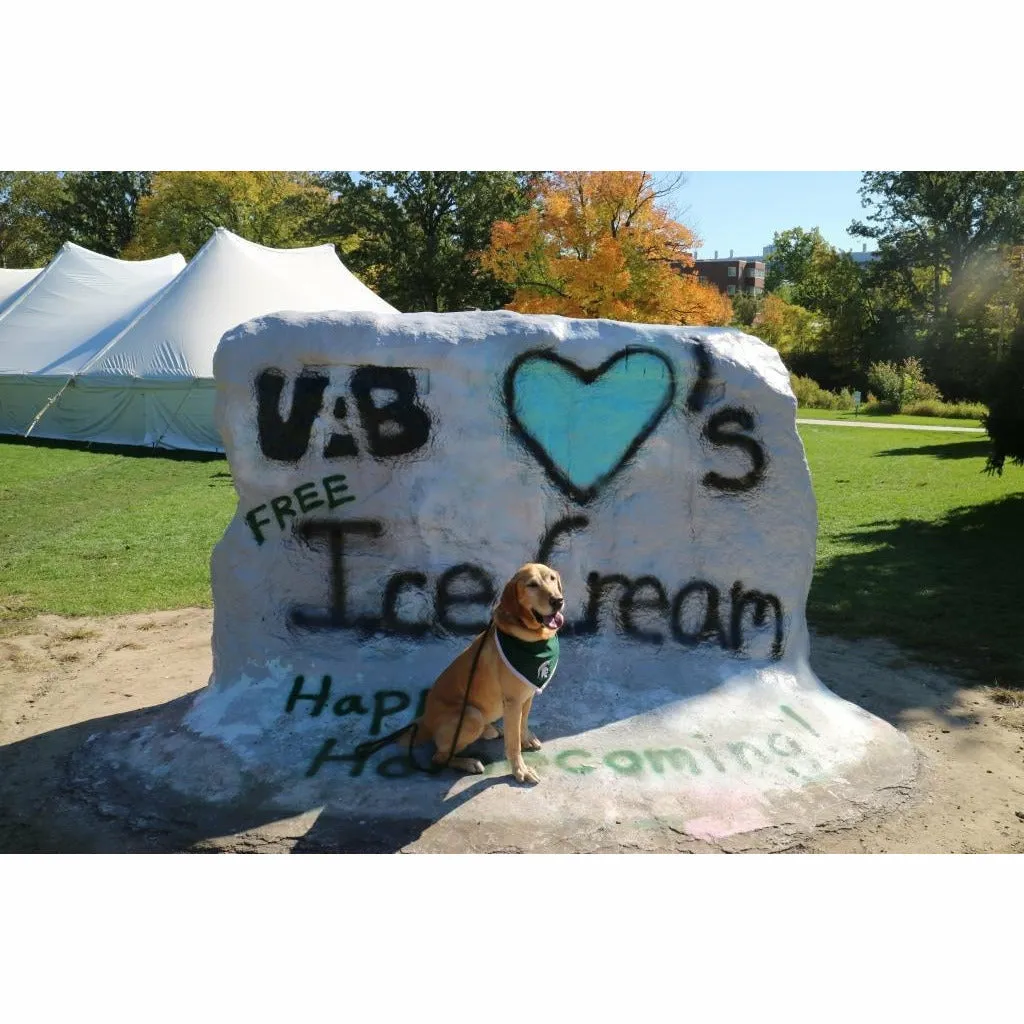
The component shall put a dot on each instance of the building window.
(732, 271)
(731, 289)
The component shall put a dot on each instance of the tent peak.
(73, 247)
(226, 235)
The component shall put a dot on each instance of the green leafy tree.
(938, 233)
(99, 209)
(745, 309)
(29, 234)
(805, 272)
(416, 236)
(790, 262)
(940, 222)
(183, 208)
(791, 329)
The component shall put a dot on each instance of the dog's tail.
(404, 737)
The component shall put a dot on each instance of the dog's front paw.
(524, 774)
(531, 743)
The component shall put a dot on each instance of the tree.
(745, 310)
(807, 273)
(183, 208)
(787, 327)
(792, 256)
(937, 234)
(99, 209)
(416, 236)
(1005, 391)
(29, 236)
(941, 222)
(599, 244)
(1005, 420)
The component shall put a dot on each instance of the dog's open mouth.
(554, 621)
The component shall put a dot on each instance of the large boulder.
(394, 470)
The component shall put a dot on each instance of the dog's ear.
(509, 603)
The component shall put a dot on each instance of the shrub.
(844, 400)
(873, 407)
(811, 395)
(926, 392)
(902, 383)
(947, 410)
(885, 382)
(942, 410)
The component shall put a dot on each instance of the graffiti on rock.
(329, 492)
(639, 608)
(700, 758)
(581, 425)
(388, 408)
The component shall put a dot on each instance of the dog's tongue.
(555, 621)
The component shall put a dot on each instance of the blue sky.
(741, 210)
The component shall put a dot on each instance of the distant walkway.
(891, 426)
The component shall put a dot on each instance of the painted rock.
(394, 470)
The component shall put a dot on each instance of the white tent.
(12, 282)
(62, 318)
(151, 383)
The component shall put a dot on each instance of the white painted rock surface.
(394, 470)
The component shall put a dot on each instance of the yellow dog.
(503, 669)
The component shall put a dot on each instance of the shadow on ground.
(956, 450)
(130, 451)
(55, 797)
(949, 590)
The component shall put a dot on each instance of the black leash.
(364, 750)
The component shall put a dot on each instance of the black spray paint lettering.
(700, 392)
(286, 440)
(694, 612)
(392, 419)
(647, 595)
(460, 587)
(334, 531)
(396, 427)
(718, 431)
(463, 595)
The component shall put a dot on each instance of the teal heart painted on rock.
(584, 425)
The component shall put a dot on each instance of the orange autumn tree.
(598, 244)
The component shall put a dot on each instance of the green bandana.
(534, 662)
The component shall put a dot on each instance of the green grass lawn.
(924, 421)
(915, 543)
(88, 533)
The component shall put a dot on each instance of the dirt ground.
(56, 673)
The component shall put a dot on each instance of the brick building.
(733, 276)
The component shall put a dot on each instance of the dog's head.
(533, 600)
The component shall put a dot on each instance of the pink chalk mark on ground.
(718, 826)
